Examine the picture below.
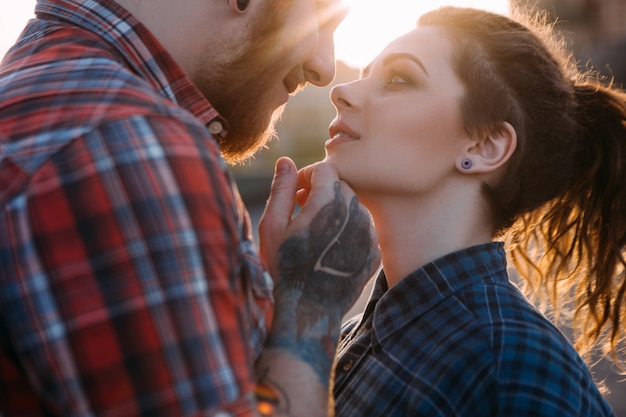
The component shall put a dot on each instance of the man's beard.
(243, 103)
(239, 92)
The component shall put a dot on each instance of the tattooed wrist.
(311, 351)
(305, 331)
(322, 272)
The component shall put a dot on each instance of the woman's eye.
(398, 79)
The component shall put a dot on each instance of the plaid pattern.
(455, 338)
(129, 284)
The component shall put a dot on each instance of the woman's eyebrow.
(403, 55)
(388, 59)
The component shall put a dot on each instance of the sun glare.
(372, 24)
(369, 26)
(13, 18)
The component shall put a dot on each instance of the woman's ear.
(490, 153)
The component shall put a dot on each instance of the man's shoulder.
(78, 90)
(61, 91)
(88, 80)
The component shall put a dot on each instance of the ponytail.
(581, 234)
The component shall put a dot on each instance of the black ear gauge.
(242, 5)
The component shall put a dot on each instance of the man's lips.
(294, 84)
(291, 86)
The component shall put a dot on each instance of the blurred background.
(594, 29)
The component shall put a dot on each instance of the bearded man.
(129, 282)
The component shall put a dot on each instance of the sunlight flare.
(372, 24)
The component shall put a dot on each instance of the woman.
(466, 135)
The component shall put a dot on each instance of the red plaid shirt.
(129, 284)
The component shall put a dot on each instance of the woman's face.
(398, 128)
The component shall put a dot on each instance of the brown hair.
(562, 202)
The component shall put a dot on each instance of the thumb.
(281, 203)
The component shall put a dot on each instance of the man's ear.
(490, 153)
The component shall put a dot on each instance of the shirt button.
(215, 127)
(348, 366)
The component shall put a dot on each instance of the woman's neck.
(414, 232)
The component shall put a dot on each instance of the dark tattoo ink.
(325, 268)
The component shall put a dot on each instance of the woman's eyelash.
(397, 77)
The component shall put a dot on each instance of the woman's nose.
(343, 96)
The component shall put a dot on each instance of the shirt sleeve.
(540, 374)
(139, 292)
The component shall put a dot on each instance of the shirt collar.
(138, 47)
(424, 288)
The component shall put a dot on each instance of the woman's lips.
(339, 129)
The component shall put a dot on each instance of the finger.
(304, 183)
(302, 196)
(304, 175)
(280, 205)
(317, 184)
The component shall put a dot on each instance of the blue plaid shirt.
(456, 338)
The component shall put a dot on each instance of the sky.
(370, 25)
(13, 16)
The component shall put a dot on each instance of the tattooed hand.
(320, 260)
(326, 264)
(328, 251)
